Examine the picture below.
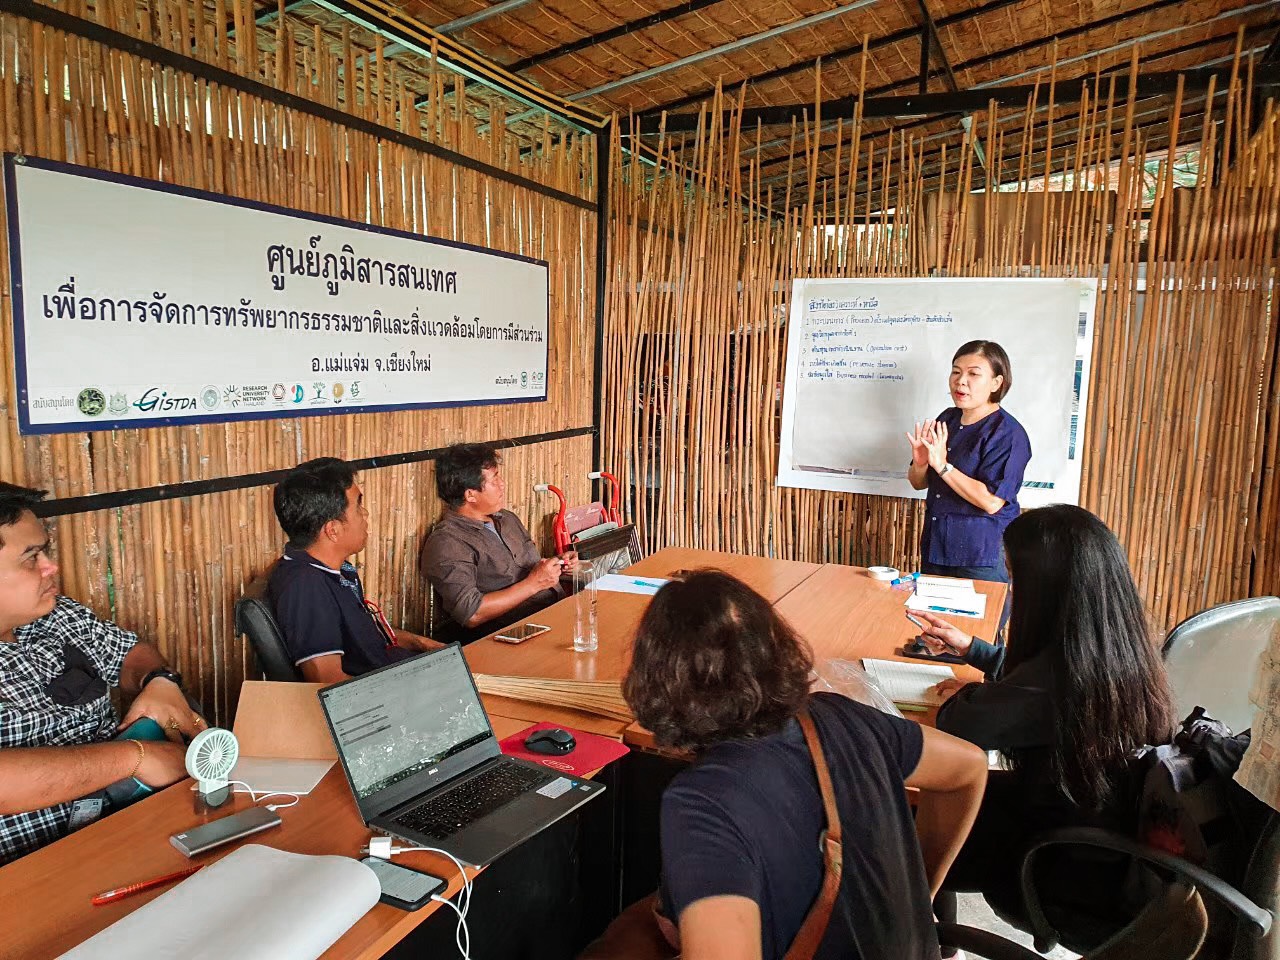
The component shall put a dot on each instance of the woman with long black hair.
(1077, 690)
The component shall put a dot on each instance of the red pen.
(119, 893)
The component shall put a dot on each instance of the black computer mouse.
(553, 741)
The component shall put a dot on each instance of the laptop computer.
(424, 765)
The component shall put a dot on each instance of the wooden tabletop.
(46, 909)
(845, 614)
(840, 610)
(551, 656)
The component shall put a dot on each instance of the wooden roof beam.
(912, 32)
(1150, 58)
(976, 98)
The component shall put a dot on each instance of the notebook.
(908, 682)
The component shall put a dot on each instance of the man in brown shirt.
(484, 566)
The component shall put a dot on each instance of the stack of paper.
(910, 683)
(594, 696)
(947, 595)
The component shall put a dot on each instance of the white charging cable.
(258, 797)
(381, 847)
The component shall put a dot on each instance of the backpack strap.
(814, 928)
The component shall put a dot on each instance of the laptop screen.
(402, 719)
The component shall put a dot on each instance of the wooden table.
(46, 893)
(840, 610)
(551, 656)
(844, 614)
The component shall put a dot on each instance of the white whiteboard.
(867, 359)
(138, 303)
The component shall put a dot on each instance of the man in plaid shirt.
(58, 663)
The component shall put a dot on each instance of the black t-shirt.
(321, 611)
(744, 820)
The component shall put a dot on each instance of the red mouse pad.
(591, 753)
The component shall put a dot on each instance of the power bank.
(205, 837)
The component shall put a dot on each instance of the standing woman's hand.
(935, 442)
(919, 450)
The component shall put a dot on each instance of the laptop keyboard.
(443, 815)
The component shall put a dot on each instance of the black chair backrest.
(256, 620)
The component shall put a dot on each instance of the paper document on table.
(622, 583)
(942, 586)
(275, 775)
(1259, 772)
(256, 903)
(956, 605)
(908, 682)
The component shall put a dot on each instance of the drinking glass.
(585, 638)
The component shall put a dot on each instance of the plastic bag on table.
(847, 678)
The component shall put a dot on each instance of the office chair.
(1174, 924)
(981, 943)
(1212, 658)
(256, 620)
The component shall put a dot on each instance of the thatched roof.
(648, 56)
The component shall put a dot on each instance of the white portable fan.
(211, 757)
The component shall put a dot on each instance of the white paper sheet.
(623, 583)
(257, 903)
(279, 775)
(934, 586)
(908, 682)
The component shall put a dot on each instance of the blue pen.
(907, 578)
(646, 583)
(958, 613)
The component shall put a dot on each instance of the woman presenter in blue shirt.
(971, 461)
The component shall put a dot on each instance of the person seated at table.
(1078, 688)
(331, 630)
(484, 566)
(58, 666)
(716, 671)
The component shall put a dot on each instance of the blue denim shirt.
(995, 450)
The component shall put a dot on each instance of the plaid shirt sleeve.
(29, 718)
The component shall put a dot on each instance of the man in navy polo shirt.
(329, 628)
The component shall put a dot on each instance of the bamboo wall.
(1184, 433)
(172, 569)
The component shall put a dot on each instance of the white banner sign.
(868, 359)
(140, 304)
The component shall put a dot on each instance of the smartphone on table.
(917, 649)
(519, 633)
(403, 886)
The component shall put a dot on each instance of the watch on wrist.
(946, 468)
(164, 672)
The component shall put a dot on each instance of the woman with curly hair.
(715, 670)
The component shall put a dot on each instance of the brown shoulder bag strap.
(815, 924)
